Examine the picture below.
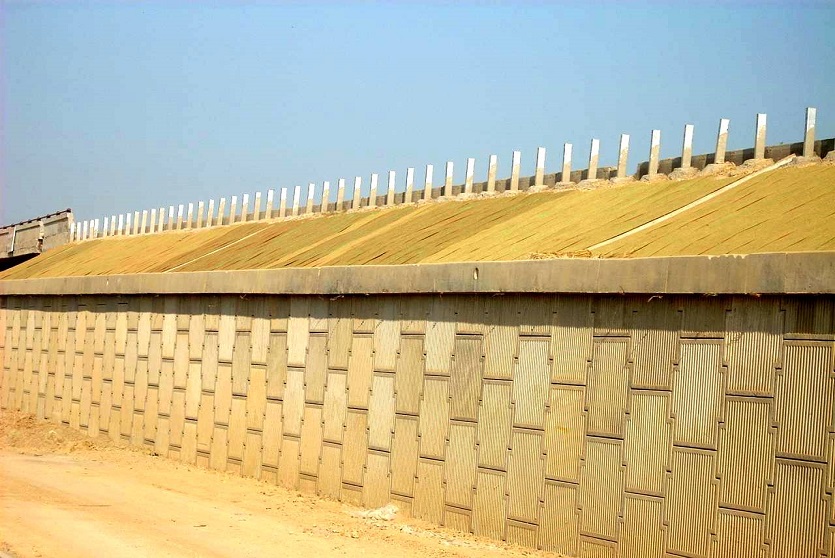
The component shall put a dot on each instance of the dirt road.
(62, 494)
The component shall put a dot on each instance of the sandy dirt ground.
(65, 495)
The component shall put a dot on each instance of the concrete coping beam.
(774, 273)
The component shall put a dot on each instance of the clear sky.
(110, 107)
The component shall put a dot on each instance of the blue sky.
(110, 107)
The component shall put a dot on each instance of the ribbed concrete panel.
(740, 535)
(317, 369)
(642, 529)
(414, 311)
(277, 365)
(647, 442)
(594, 548)
(494, 424)
(409, 376)
(404, 454)
(458, 519)
(298, 331)
(525, 474)
(489, 504)
(330, 477)
(601, 486)
(273, 432)
(501, 336)
(465, 378)
(752, 345)
(460, 474)
(654, 334)
(746, 437)
(377, 486)
(530, 383)
(241, 360)
(387, 335)
(340, 334)
(691, 501)
(796, 522)
(429, 491)
(288, 463)
(293, 402)
(311, 440)
(237, 428)
(804, 399)
(440, 338)
(572, 339)
(559, 526)
(521, 533)
(381, 412)
(355, 446)
(223, 393)
(257, 397)
(697, 394)
(565, 429)
(336, 403)
(434, 417)
(608, 387)
(360, 367)
(364, 312)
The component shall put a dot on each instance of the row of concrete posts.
(212, 215)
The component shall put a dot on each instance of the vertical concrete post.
(372, 193)
(311, 191)
(221, 208)
(567, 150)
(326, 197)
(256, 209)
(492, 169)
(654, 152)
(448, 179)
(297, 194)
(687, 147)
(112, 225)
(515, 165)
(759, 138)
(410, 185)
(121, 227)
(84, 232)
(180, 211)
(128, 224)
(427, 183)
(594, 159)
(282, 204)
(72, 231)
(152, 224)
(809, 137)
(721, 141)
(95, 228)
(210, 213)
(233, 210)
(623, 155)
(539, 176)
(390, 190)
(468, 176)
(144, 227)
(104, 229)
(135, 222)
(201, 208)
(355, 200)
(268, 212)
(340, 194)
(190, 215)
(244, 208)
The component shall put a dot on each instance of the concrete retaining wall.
(617, 425)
